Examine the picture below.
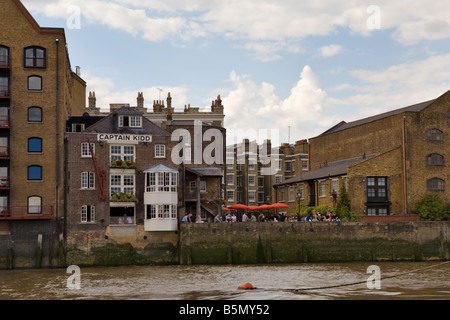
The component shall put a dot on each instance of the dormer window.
(130, 121)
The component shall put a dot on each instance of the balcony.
(4, 183)
(4, 122)
(5, 62)
(4, 152)
(4, 91)
(26, 213)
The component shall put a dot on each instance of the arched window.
(433, 135)
(34, 145)
(34, 173)
(34, 57)
(4, 56)
(435, 184)
(35, 83)
(34, 114)
(434, 159)
(34, 204)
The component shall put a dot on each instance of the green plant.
(432, 207)
(343, 206)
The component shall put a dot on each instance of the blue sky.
(298, 67)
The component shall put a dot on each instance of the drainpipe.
(57, 166)
(405, 200)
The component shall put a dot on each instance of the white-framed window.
(278, 164)
(122, 152)
(130, 121)
(287, 166)
(300, 191)
(230, 163)
(160, 151)
(87, 213)
(251, 166)
(251, 196)
(88, 180)
(282, 195)
(251, 180)
(122, 183)
(291, 194)
(161, 211)
(192, 186)
(162, 181)
(230, 195)
(304, 165)
(202, 186)
(322, 188)
(85, 151)
(278, 178)
(334, 185)
(230, 179)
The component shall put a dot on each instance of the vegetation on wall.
(431, 207)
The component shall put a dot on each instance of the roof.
(332, 169)
(206, 172)
(108, 125)
(345, 125)
(160, 168)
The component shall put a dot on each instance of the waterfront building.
(387, 162)
(38, 92)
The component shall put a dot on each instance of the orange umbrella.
(253, 208)
(278, 206)
(238, 206)
(264, 207)
(225, 209)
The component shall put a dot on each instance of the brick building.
(38, 91)
(387, 162)
(128, 176)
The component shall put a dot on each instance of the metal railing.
(4, 61)
(4, 91)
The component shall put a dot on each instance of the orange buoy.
(246, 286)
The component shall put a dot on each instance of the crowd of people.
(263, 217)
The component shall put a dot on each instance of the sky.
(289, 69)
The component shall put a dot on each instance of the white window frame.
(251, 196)
(122, 152)
(251, 180)
(122, 184)
(202, 186)
(84, 213)
(291, 194)
(160, 151)
(133, 121)
(230, 176)
(322, 188)
(85, 151)
(87, 180)
(230, 198)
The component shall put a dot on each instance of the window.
(192, 186)
(287, 166)
(322, 188)
(122, 153)
(160, 151)
(291, 194)
(230, 163)
(335, 185)
(4, 86)
(34, 83)
(251, 180)
(434, 159)
(433, 135)
(34, 145)
(202, 186)
(4, 57)
(230, 179)
(278, 179)
(164, 182)
(34, 114)
(86, 151)
(251, 196)
(377, 189)
(34, 173)
(122, 183)
(34, 204)
(300, 191)
(161, 211)
(281, 195)
(87, 213)
(35, 57)
(87, 180)
(435, 184)
(261, 182)
(230, 195)
(304, 165)
(260, 197)
(130, 121)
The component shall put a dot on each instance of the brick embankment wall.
(299, 242)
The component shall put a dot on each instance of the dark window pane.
(34, 114)
(34, 173)
(35, 145)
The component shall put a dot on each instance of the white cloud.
(258, 25)
(106, 93)
(331, 50)
(249, 105)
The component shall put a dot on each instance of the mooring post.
(39, 251)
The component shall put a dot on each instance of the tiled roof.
(344, 125)
(206, 172)
(332, 169)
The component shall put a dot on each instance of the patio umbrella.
(225, 209)
(264, 207)
(253, 208)
(278, 206)
(238, 206)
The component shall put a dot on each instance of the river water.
(327, 281)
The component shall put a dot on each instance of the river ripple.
(399, 281)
